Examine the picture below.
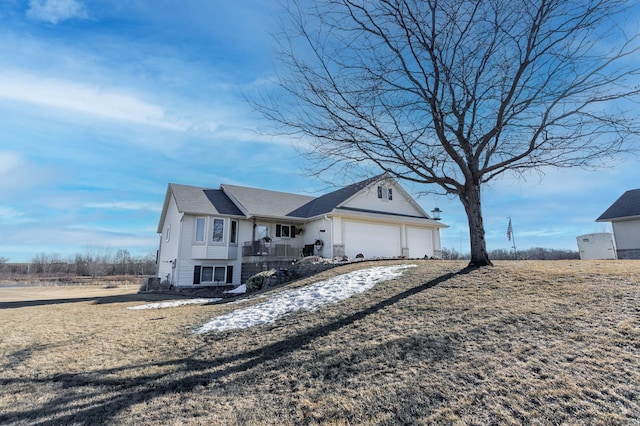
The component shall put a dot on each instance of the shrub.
(255, 282)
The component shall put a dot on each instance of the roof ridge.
(264, 190)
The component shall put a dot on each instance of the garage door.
(419, 242)
(372, 240)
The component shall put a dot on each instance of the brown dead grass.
(532, 342)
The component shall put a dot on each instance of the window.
(385, 193)
(218, 274)
(199, 237)
(229, 274)
(285, 231)
(233, 238)
(209, 274)
(218, 230)
(262, 231)
(167, 233)
(196, 274)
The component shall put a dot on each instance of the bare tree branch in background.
(454, 93)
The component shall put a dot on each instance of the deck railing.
(270, 250)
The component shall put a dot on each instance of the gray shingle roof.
(222, 202)
(197, 200)
(628, 205)
(243, 201)
(261, 202)
(326, 203)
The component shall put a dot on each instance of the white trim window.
(218, 231)
(199, 230)
(233, 236)
(212, 274)
(167, 233)
(385, 193)
(262, 231)
(285, 231)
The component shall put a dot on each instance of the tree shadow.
(98, 300)
(97, 388)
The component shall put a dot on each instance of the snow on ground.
(238, 290)
(306, 298)
(175, 303)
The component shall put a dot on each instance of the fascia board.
(387, 218)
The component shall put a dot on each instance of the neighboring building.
(208, 236)
(624, 215)
(598, 246)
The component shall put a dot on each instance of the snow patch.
(174, 303)
(238, 290)
(307, 298)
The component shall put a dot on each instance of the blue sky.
(103, 103)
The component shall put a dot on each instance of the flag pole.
(511, 236)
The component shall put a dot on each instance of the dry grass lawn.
(531, 342)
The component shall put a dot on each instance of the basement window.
(209, 274)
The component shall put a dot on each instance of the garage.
(372, 240)
(420, 242)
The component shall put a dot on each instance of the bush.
(255, 282)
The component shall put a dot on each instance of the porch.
(272, 250)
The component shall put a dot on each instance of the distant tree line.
(95, 262)
(533, 253)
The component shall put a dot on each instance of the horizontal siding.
(368, 200)
(169, 249)
(627, 234)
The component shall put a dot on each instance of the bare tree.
(97, 260)
(122, 262)
(454, 93)
(3, 264)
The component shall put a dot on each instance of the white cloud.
(55, 11)
(85, 99)
(11, 216)
(18, 174)
(9, 161)
(125, 205)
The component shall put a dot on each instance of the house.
(624, 215)
(214, 236)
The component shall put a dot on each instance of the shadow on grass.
(97, 396)
(98, 300)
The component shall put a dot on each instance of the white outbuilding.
(598, 246)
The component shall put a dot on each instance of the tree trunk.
(473, 207)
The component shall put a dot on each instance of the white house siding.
(399, 204)
(371, 239)
(419, 242)
(169, 249)
(627, 238)
(205, 254)
(320, 229)
(627, 234)
(437, 245)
